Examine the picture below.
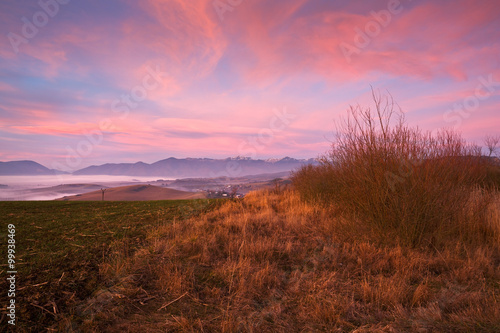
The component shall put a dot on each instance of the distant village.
(239, 191)
(225, 187)
(227, 191)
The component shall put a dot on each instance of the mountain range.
(25, 168)
(170, 167)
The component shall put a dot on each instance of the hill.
(135, 193)
(270, 262)
(170, 167)
(25, 168)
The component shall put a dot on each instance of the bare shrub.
(403, 183)
(492, 144)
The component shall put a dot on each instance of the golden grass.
(274, 263)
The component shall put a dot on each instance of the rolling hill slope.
(135, 193)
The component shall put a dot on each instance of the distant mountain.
(25, 168)
(197, 167)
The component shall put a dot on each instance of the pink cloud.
(178, 37)
(412, 44)
(54, 128)
(263, 55)
(5, 87)
(187, 40)
(209, 127)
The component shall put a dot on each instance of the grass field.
(268, 263)
(60, 247)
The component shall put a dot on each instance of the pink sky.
(124, 81)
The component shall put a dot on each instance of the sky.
(91, 82)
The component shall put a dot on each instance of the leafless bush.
(492, 144)
(397, 179)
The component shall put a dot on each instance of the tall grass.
(273, 262)
(402, 183)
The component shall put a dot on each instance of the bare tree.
(103, 190)
(491, 143)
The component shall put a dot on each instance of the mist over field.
(13, 188)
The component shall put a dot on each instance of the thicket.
(403, 184)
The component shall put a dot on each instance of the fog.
(49, 187)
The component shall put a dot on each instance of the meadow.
(271, 262)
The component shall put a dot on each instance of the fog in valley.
(56, 186)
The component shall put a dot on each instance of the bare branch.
(491, 143)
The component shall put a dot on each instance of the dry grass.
(274, 263)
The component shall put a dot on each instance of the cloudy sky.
(89, 82)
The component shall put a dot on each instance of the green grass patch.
(60, 245)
